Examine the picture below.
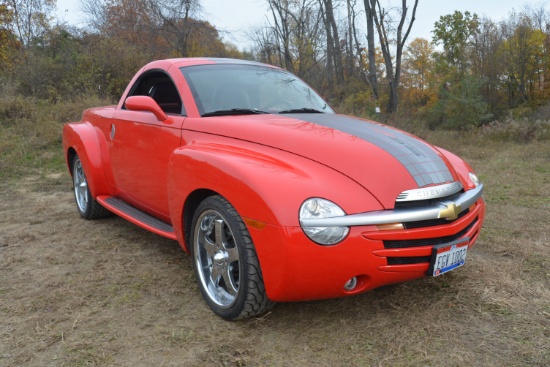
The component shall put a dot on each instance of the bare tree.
(94, 13)
(334, 50)
(370, 11)
(30, 18)
(179, 22)
(280, 11)
(349, 36)
(486, 59)
(292, 37)
(163, 26)
(388, 34)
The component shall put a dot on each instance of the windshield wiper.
(234, 111)
(301, 110)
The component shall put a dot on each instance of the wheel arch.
(191, 204)
(82, 139)
(199, 172)
(71, 153)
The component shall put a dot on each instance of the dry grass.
(106, 293)
(30, 132)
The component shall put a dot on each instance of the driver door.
(141, 146)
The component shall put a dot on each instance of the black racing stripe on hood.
(422, 162)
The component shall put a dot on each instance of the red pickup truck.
(274, 195)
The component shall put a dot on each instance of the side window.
(160, 87)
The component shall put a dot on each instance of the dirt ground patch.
(107, 293)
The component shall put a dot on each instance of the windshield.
(225, 89)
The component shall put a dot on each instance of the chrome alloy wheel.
(81, 192)
(216, 256)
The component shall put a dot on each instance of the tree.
(419, 79)
(486, 61)
(158, 27)
(418, 63)
(30, 18)
(389, 35)
(183, 31)
(281, 12)
(370, 11)
(454, 31)
(461, 106)
(8, 39)
(334, 51)
(522, 53)
(292, 38)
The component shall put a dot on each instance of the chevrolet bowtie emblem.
(451, 212)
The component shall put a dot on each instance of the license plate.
(448, 256)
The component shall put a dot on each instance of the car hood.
(384, 160)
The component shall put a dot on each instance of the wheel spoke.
(229, 283)
(233, 254)
(220, 234)
(207, 225)
(208, 246)
(216, 275)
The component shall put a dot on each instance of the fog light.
(350, 284)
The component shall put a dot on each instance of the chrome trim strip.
(397, 215)
(432, 192)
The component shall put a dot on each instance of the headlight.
(321, 208)
(475, 179)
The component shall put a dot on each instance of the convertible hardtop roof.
(192, 61)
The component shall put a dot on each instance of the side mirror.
(145, 103)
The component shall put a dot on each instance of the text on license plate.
(449, 256)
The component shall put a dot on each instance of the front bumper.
(446, 209)
(294, 268)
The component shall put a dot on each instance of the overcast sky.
(238, 16)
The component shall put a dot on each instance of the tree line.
(359, 55)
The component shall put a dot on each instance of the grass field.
(107, 293)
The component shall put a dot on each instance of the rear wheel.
(86, 205)
(225, 262)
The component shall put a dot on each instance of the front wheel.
(88, 207)
(225, 262)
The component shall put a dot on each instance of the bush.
(30, 131)
(460, 106)
(15, 108)
(523, 131)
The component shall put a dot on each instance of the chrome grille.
(433, 222)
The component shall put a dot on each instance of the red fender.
(91, 147)
(265, 190)
(461, 167)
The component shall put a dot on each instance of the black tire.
(87, 206)
(225, 262)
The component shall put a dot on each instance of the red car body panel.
(265, 166)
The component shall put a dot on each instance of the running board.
(136, 216)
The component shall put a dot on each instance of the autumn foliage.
(473, 71)
(55, 61)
